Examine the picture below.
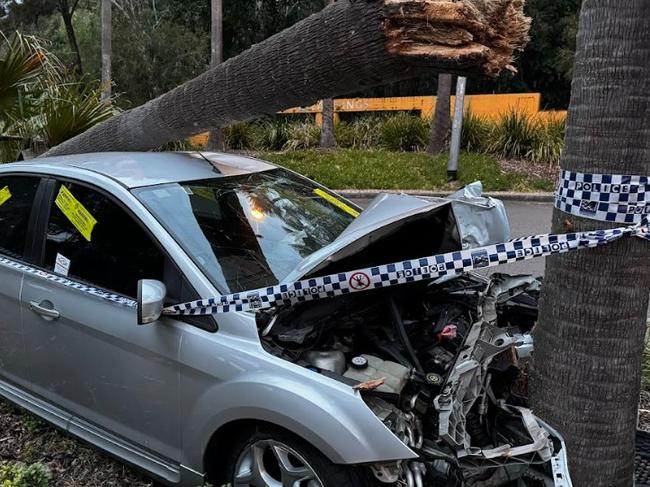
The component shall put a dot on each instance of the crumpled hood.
(396, 227)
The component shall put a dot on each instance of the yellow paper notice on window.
(5, 194)
(336, 202)
(75, 212)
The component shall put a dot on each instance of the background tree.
(590, 336)
(67, 11)
(107, 50)
(327, 139)
(441, 118)
(152, 53)
(216, 139)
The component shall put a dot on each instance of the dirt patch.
(548, 172)
(26, 439)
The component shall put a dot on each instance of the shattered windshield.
(249, 231)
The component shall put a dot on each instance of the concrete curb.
(505, 196)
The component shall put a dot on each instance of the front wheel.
(280, 459)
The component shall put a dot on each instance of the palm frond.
(71, 108)
(21, 60)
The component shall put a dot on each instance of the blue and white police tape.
(399, 273)
(620, 199)
(617, 199)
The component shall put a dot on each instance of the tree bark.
(441, 120)
(590, 336)
(348, 46)
(67, 14)
(216, 139)
(107, 48)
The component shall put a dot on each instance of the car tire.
(256, 461)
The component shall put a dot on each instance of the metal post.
(457, 129)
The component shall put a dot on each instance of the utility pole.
(457, 129)
(107, 48)
(216, 141)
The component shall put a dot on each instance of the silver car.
(409, 385)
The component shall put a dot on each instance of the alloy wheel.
(268, 463)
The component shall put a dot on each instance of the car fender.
(333, 419)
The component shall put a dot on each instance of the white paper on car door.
(62, 265)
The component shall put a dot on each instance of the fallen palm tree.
(349, 46)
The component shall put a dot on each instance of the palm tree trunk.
(441, 121)
(348, 46)
(216, 141)
(67, 13)
(590, 336)
(107, 49)
(327, 139)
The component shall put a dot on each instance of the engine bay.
(443, 366)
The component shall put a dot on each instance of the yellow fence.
(486, 106)
(491, 107)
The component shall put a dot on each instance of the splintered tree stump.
(462, 37)
(348, 46)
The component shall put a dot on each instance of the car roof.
(139, 169)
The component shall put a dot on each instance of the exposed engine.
(443, 366)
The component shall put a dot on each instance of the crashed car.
(408, 385)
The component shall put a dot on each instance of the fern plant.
(19, 475)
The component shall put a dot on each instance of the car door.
(17, 196)
(86, 353)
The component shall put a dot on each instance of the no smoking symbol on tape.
(359, 281)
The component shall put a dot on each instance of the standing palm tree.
(216, 139)
(107, 48)
(327, 138)
(590, 337)
(441, 121)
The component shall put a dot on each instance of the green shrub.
(477, 133)
(514, 135)
(270, 134)
(361, 133)
(18, 475)
(549, 142)
(403, 132)
(302, 135)
(238, 136)
(176, 146)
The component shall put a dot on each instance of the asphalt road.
(525, 219)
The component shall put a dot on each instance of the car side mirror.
(151, 300)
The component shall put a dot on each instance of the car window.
(90, 237)
(249, 231)
(17, 195)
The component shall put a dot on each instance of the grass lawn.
(378, 169)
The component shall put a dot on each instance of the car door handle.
(45, 312)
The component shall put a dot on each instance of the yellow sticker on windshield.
(206, 193)
(336, 202)
(75, 212)
(5, 194)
